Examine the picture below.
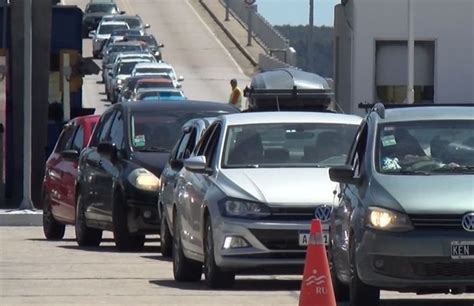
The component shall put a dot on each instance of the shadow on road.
(65, 240)
(109, 249)
(158, 257)
(240, 285)
(427, 302)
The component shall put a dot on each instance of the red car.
(59, 195)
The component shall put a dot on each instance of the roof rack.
(295, 92)
(380, 107)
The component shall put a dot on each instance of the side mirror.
(122, 12)
(180, 78)
(196, 164)
(92, 34)
(147, 26)
(342, 174)
(161, 46)
(70, 154)
(176, 164)
(107, 148)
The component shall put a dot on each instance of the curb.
(21, 218)
(229, 34)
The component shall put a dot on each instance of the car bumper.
(274, 246)
(413, 260)
(143, 215)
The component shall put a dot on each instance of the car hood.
(294, 186)
(434, 194)
(152, 161)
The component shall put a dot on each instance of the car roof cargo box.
(288, 90)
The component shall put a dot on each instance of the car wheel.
(184, 269)
(341, 291)
(360, 293)
(53, 230)
(165, 237)
(215, 277)
(124, 241)
(85, 236)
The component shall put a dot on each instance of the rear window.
(101, 8)
(109, 28)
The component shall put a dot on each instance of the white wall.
(450, 23)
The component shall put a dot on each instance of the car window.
(186, 145)
(117, 131)
(65, 139)
(359, 151)
(102, 128)
(210, 151)
(201, 146)
(78, 143)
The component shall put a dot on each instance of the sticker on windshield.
(389, 140)
(139, 141)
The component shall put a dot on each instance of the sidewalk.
(15, 217)
(234, 30)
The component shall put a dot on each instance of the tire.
(52, 229)
(360, 293)
(165, 237)
(184, 269)
(215, 277)
(85, 236)
(341, 290)
(124, 241)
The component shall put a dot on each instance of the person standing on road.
(235, 95)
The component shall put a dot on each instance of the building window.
(391, 74)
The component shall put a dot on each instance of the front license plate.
(304, 238)
(462, 249)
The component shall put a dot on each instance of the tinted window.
(116, 131)
(78, 143)
(102, 129)
(287, 145)
(133, 22)
(65, 139)
(101, 8)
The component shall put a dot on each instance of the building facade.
(371, 51)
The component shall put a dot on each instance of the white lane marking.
(215, 37)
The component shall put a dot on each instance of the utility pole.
(411, 55)
(309, 50)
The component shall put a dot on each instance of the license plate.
(304, 238)
(462, 249)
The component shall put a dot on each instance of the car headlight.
(244, 209)
(143, 179)
(388, 220)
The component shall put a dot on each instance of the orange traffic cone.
(316, 288)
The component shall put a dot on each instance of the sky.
(296, 12)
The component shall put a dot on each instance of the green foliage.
(322, 47)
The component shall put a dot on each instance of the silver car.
(247, 194)
(405, 219)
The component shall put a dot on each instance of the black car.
(153, 45)
(128, 89)
(118, 180)
(93, 15)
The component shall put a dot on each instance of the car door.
(111, 166)
(190, 190)
(55, 168)
(349, 199)
(70, 174)
(93, 174)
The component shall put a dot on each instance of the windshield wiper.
(154, 149)
(411, 172)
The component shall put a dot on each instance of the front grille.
(437, 222)
(445, 270)
(292, 213)
(278, 239)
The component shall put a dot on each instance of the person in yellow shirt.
(235, 95)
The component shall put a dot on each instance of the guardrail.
(271, 40)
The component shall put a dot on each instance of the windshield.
(152, 132)
(287, 145)
(166, 71)
(133, 22)
(426, 147)
(109, 28)
(102, 8)
(126, 68)
(124, 48)
(161, 95)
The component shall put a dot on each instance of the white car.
(157, 69)
(103, 33)
(120, 73)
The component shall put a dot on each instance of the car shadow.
(240, 285)
(65, 240)
(427, 302)
(109, 249)
(159, 257)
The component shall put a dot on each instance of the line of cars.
(128, 51)
(234, 193)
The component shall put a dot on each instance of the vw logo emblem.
(323, 213)
(468, 222)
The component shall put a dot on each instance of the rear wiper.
(154, 149)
